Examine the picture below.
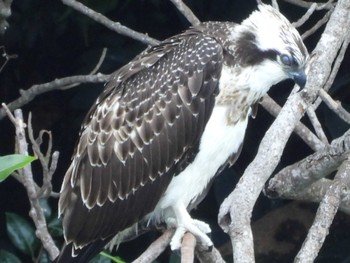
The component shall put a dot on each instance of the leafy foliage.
(7, 257)
(22, 234)
(10, 163)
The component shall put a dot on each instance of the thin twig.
(100, 61)
(317, 125)
(319, 23)
(186, 11)
(115, 26)
(46, 188)
(337, 63)
(7, 57)
(92, 72)
(335, 68)
(300, 129)
(36, 212)
(35, 90)
(306, 16)
(306, 4)
(335, 106)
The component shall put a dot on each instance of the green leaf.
(100, 259)
(21, 233)
(10, 163)
(109, 256)
(55, 227)
(7, 257)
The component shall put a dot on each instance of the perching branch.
(36, 212)
(156, 248)
(236, 210)
(187, 248)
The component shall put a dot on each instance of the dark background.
(52, 41)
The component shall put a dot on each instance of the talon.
(176, 240)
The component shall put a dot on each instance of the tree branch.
(296, 177)
(156, 248)
(300, 129)
(208, 256)
(187, 12)
(115, 26)
(36, 212)
(335, 106)
(317, 125)
(48, 170)
(187, 248)
(320, 23)
(235, 211)
(307, 4)
(35, 90)
(325, 214)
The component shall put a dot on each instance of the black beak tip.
(299, 78)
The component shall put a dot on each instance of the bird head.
(268, 42)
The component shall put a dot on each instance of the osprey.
(167, 123)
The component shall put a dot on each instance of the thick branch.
(208, 256)
(115, 26)
(235, 212)
(296, 177)
(325, 215)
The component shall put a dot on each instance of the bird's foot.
(198, 228)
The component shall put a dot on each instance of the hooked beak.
(299, 77)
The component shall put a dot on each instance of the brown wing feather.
(139, 134)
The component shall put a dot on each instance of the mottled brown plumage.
(144, 126)
(172, 118)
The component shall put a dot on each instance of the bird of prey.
(167, 123)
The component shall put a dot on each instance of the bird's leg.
(183, 223)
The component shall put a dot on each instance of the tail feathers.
(83, 255)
